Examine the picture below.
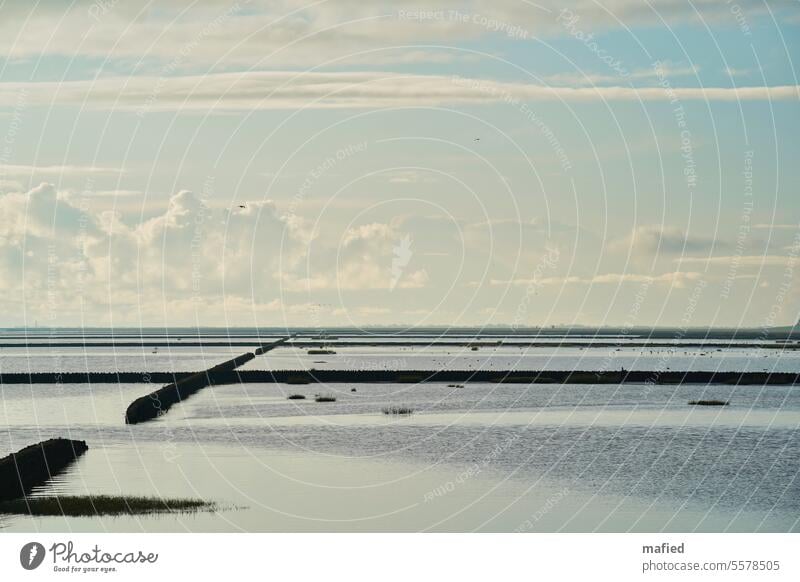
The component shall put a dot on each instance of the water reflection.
(494, 457)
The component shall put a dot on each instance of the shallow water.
(113, 359)
(428, 355)
(745, 359)
(495, 457)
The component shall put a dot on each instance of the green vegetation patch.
(87, 506)
(398, 410)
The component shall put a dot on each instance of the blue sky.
(350, 163)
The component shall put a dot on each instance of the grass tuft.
(709, 402)
(398, 410)
(87, 506)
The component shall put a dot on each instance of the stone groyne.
(402, 376)
(159, 402)
(34, 465)
(519, 377)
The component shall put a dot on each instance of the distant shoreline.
(415, 377)
(397, 331)
(303, 344)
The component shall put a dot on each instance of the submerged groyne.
(519, 377)
(34, 465)
(412, 376)
(159, 402)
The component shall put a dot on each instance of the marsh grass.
(87, 506)
(709, 402)
(393, 410)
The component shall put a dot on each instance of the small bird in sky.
(477, 139)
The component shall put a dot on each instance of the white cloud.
(117, 193)
(777, 226)
(577, 79)
(744, 261)
(290, 90)
(58, 259)
(655, 239)
(362, 260)
(675, 278)
(57, 170)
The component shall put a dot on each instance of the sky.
(349, 163)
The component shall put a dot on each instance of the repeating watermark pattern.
(317, 172)
(550, 504)
(310, 180)
(686, 144)
(14, 126)
(15, 123)
(101, 8)
(355, 363)
(548, 262)
(484, 21)
(183, 54)
(740, 17)
(472, 470)
(787, 280)
(196, 242)
(569, 20)
(68, 558)
(686, 320)
(744, 226)
(631, 319)
(401, 256)
(525, 109)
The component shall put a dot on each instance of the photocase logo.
(31, 555)
(402, 255)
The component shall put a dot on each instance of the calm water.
(525, 358)
(483, 457)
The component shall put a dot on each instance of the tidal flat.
(473, 457)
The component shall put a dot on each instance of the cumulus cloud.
(368, 257)
(58, 257)
(62, 263)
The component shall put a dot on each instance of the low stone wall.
(519, 377)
